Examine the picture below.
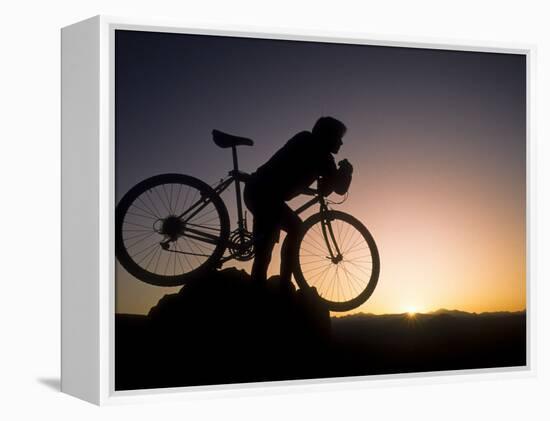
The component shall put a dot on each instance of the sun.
(411, 312)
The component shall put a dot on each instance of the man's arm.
(335, 179)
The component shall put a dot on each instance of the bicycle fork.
(328, 234)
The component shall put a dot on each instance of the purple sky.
(432, 134)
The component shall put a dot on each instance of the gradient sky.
(437, 140)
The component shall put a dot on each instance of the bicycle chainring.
(241, 246)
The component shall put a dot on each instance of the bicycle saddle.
(225, 140)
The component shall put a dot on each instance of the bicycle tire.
(302, 279)
(149, 185)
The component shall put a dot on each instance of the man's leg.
(264, 240)
(291, 223)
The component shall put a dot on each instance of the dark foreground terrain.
(225, 329)
(444, 340)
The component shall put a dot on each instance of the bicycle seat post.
(240, 222)
(235, 158)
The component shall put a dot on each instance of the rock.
(225, 328)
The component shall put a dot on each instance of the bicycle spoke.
(332, 285)
(167, 263)
(323, 274)
(315, 261)
(322, 282)
(137, 225)
(351, 292)
(153, 257)
(164, 198)
(145, 249)
(201, 214)
(338, 282)
(128, 247)
(141, 216)
(310, 271)
(175, 256)
(153, 245)
(194, 253)
(177, 199)
(343, 279)
(321, 236)
(359, 252)
(356, 244)
(185, 200)
(161, 200)
(149, 195)
(345, 236)
(171, 191)
(198, 246)
(360, 269)
(179, 256)
(145, 232)
(320, 273)
(366, 259)
(158, 260)
(192, 201)
(320, 252)
(147, 255)
(184, 256)
(352, 279)
(149, 211)
(144, 215)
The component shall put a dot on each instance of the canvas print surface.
(309, 210)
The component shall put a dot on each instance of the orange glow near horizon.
(437, 250)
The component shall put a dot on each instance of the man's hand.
(337, 182)
(345, 166)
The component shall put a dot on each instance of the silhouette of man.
(305, 158)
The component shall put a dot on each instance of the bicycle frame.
(237, 177)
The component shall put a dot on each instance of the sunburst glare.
(411, 312)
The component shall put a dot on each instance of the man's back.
(294, 167)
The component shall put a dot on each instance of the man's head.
(329, 132)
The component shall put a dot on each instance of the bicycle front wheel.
(337, 255)
(170, 227)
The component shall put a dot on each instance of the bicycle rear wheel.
(169, 228)
(343, 282)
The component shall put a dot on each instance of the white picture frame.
(88, 204)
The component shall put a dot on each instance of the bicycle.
(172, 228)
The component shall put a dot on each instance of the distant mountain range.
(439, 340)
(439, 312)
